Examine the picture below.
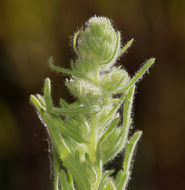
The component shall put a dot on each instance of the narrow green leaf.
(41, 100)
(58, 141)
(64, 181)
(128, 44)
(124, 176)
(119, 139)
(76, 103)
(109, 186)
(77, 170)
(47, 94)
(127, 114)
(107, 150)
(140, 73)
(116, 51)
(72, 65)
(70, 179)
(112, 88)
(118, 177)
(74, 43)
(109, 129)
(105, 178)
(63, 103)
(122, 180)
(68, 71)
(37, 104)
(112, 112)
(130, 150)
(56, 168)
(128, 106)
(71, 111)
(67, 130)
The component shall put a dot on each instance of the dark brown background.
(33, 30)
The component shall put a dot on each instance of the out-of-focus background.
(33, 30)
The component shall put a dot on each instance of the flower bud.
(98, 41)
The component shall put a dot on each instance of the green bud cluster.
(87, 133)
(98, 48)
(97, 42)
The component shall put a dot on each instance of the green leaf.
(67, 130)
(118, 137)
(70, 179)
(105, 178)
(121, 180)
(112, 88)
(116, 51)
(109, 186)
(138, 76)
(72, 65)
(130, 150)
(107, 150)
(68, 71)
(74, 43)
(37, 104)
(75, 104)
(41, 100)
(109, 129)
(128, 44)
(59, 143)
(56, 168)
(47, 94)
(120, 140)
(127, 115)
(111, 114)
(123, 176)
(64, 181)
(78, 171)
(71, 111)
(63, 103)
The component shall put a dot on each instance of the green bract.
(87, 134)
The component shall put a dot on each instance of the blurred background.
(33, 30)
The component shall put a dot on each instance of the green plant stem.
(93, 140)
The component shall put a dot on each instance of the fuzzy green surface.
(87, 134)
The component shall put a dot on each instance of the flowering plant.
(90, 132)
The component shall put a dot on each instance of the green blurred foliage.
(9, 132)
(33, 30)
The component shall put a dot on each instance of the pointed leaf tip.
(126, 46)
(47, 94)
(36, 103)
